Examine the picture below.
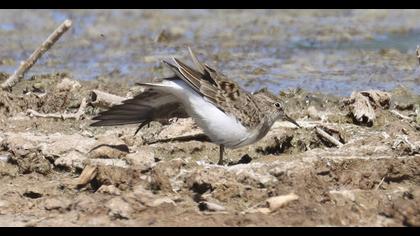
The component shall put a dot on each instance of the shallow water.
(401, 41)
(287, 55)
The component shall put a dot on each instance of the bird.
(229, 116)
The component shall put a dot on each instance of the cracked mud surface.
(372, 180)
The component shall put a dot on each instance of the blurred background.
(328, 51)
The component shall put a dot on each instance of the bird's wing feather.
(152, 104)
(222, 92)
(156, 104)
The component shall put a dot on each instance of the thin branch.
(105, 100)
(26, 65)
(78, 115)
(380, 183)
(328, 137)
(87, 175)
(400, 115)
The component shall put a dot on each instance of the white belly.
(220, 127)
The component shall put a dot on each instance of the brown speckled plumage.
(247, 116)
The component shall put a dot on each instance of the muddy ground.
(62, 172)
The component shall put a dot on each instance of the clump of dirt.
(277, 145)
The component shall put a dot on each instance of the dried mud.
(57, 172)
(364, 182)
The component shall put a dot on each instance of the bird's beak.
(287, 118)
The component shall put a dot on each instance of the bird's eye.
(277, 104)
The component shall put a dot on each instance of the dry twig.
(78, 115)
(105, 100)
(26, 65)
(87, 175)
(400, 115)
(380, 183)
(328, 137)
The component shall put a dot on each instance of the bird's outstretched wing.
(148, 106)
(155, 104)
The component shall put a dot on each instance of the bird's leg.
(146, 122)
(221, 151)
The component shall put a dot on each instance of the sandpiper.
(230, 116)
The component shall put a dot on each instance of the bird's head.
(273, 106)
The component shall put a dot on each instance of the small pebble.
(276, 202)
(109, 189)
(210, 206)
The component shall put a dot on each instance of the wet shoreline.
(333, 55)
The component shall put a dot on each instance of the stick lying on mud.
(78, 115)
(87, 175)
(26, 65)
(380, 183)
(400, 115)
(105, 100)
(328, 137)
